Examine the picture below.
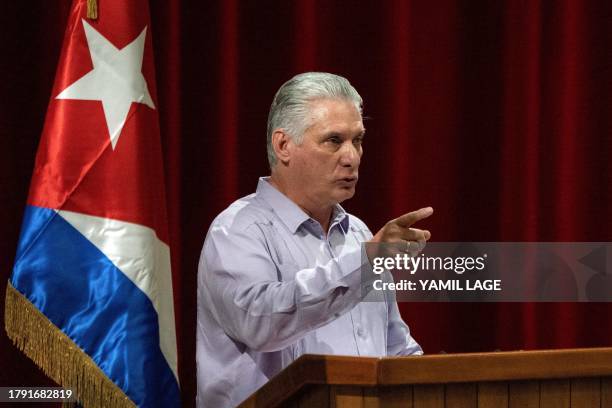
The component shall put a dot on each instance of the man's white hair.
(290, 108)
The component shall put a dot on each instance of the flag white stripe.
(142, 257)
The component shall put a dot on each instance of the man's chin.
(344, 194)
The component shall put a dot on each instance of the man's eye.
(358, 141)
(335, 140)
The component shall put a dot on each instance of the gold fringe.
(58, 356)
(92, 9)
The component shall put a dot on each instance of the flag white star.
(116, 79)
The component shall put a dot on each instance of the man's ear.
(281, 142)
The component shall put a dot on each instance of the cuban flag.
(90, 299)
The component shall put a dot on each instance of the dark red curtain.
(497, 114)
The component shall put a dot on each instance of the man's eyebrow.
(360, 134)
(332, 133)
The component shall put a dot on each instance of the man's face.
(326, 163)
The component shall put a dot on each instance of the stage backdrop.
(497, 114)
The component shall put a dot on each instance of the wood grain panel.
(555, 394)
(493, 395)
(499, 366)
(290, 403)
(435, 370)
(606, 392)
(428, 396)
(524, 394)
(311, 370)
(395, 397)
(371, 397)
(343, 396)
(461, 395)
(314, 396)
(585, 392)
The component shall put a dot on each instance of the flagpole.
(92, 9)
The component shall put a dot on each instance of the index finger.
(410, 218)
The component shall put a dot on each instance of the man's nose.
(350, 156)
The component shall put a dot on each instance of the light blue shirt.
(272, 286)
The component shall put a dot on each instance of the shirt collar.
(340, 217)
(289, 212)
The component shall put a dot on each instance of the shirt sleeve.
(241, 286)
(399, 340)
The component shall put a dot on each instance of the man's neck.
(319, 213)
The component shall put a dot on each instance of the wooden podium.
(552, 378)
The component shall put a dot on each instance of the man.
(280, 271)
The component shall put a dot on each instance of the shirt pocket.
(280, 253)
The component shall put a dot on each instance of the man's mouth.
(352, 179)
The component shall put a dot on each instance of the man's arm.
(399, 230)
(239, 282)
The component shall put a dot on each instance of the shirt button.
(360, 332)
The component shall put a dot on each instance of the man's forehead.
(335, 113)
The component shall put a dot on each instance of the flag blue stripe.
(80, 290)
